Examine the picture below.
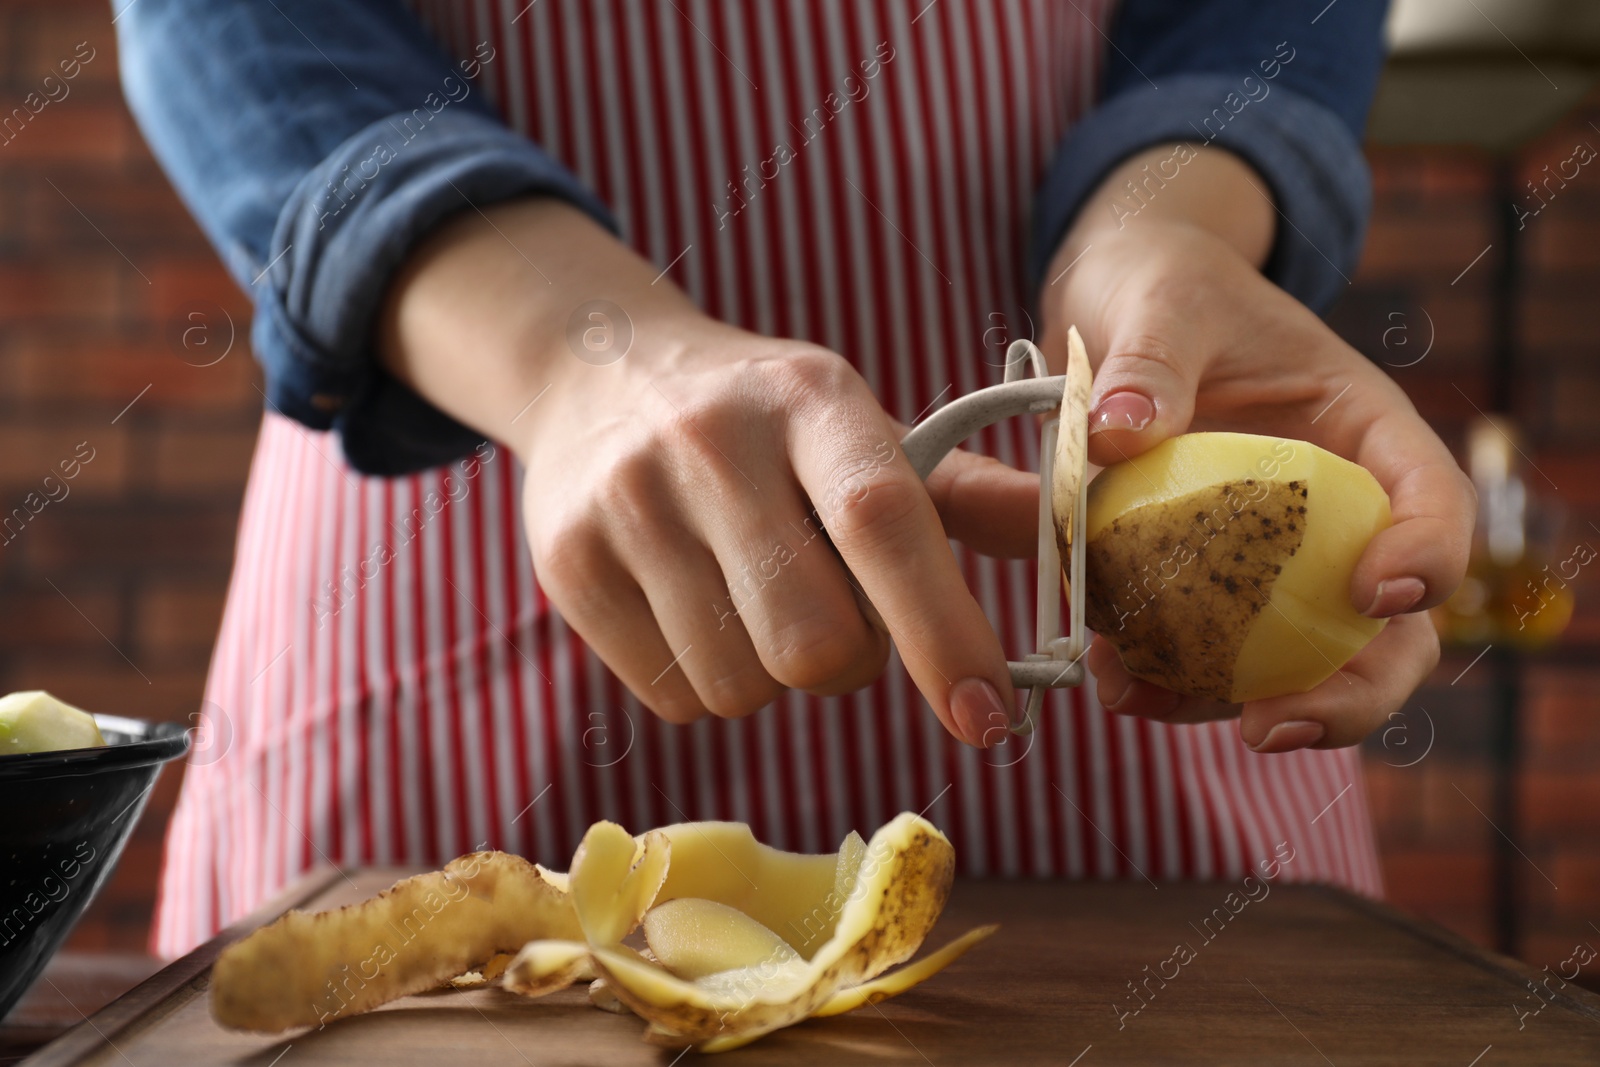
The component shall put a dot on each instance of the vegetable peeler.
(1063, 494)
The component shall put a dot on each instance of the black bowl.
(64, 817)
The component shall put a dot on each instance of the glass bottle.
(1513, 594)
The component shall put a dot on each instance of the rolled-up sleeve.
(316, 143)
(1285, 86)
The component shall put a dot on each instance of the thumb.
(1143, 394)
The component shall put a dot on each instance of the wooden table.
(1303, 975)
(74, 985)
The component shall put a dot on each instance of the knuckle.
(811, 372)
(679, 706)
(627, 497)
(816, 654)
(738, 694)
(875, 510)
(691, 424)
(1144, 349)
(1347, 719)
(570, 557)
(704, 436)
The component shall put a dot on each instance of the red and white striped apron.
(396, 689)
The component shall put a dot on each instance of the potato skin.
(311, 969)
(1176, 585)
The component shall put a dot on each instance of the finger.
(1144, 390)
(884, 525)
(1355, 700)
(986, 505)
(793, 596)
(1420, 559)
(1121, 693)
(700, 621)
(598, 599)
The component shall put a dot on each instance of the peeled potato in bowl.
(35, 721)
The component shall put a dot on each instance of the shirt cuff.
(343, 232)
(1308, 157)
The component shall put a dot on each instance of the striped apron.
(391, 686)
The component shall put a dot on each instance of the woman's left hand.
(1186, 334)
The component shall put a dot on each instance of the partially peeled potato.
(1219, 564)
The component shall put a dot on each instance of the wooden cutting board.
(1302, 975)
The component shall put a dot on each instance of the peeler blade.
(1068, 488)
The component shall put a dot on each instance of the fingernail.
(1122, 411)
(1288, 736)
(1395, 595)
(1112, 691)
(979, 712)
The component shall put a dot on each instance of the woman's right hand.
(720, 515)
(684, 506)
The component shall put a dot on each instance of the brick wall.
(98, 260)
(1435, 212)
(112, 593)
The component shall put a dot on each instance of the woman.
(665, 282)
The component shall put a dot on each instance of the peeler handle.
(933, 438)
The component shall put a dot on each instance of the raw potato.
(307, 970)
(35, 721)
(1219, 564)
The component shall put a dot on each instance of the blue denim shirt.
(256, 108)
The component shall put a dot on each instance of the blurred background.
(1478, 290)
